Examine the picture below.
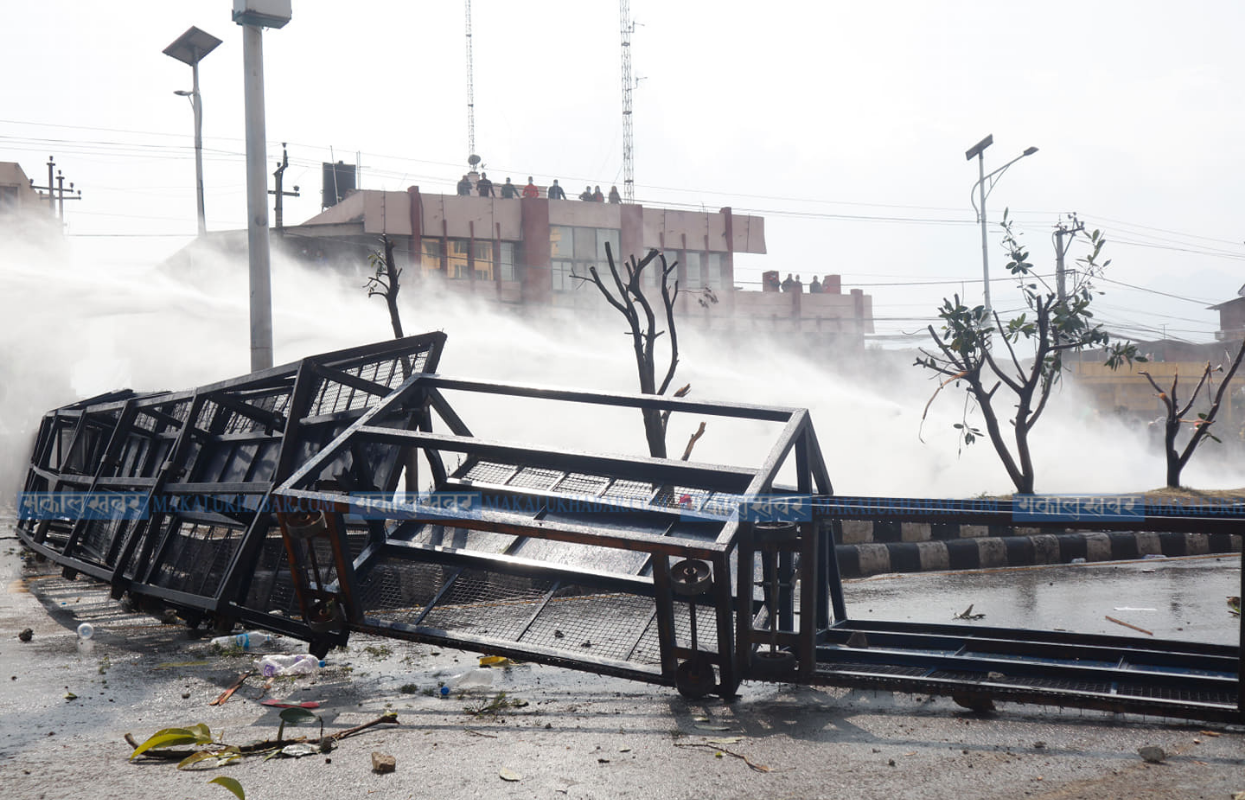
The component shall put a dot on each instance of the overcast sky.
(844, 124)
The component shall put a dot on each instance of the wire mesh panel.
(196, 556)
(587, 621)
(487, 604)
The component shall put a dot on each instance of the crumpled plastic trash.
(302, 664)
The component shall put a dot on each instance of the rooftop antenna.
(471, 104)
(627, 28)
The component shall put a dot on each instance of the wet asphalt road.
(585, 736)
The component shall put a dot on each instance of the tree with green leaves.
(1177, 415)
(976, 350)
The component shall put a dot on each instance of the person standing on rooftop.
(615, 197)
(484, 186)
(556, 192)
(530, 190)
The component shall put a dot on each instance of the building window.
(561, 241)
(577, 249)
(484, 261)
(694, 269)
(561, 270)
(456, 268)
(432, 251)
(715, 271)
(506, 261)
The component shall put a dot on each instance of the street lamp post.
(981, 186)
(254, 16)
(190, 48)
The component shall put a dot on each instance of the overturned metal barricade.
(687, 574)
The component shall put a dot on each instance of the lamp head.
(1030, 151)
(182, 93)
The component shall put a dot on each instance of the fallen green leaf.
(714, 727)
(231, 784)
(508, 775)
(726, 740)
(195, 758)
(171, 737)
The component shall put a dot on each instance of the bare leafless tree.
(1177, 415)
(625, 292)
(385, 283)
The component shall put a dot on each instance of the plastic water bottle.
(245, 640)
(473, 680)
(85, 631)
(302, 664)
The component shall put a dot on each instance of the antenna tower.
(624, 8)
(471, 103)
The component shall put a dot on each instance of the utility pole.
(57, 194)
(254, 16)
(1062, 230)
(279, 175)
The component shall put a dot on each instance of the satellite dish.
(473, 159)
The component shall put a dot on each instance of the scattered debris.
(719, 751)
(1208, 733)
(180, 664)
(493, 707)
(1234, 606)
(26, 635)
(1129, 625)
(274, 703)
(1152, 754)
(228, 693)
(383, 763)
(70, 695)
(160, 745)
(967, 614)
(714, 727)
(1039, 745)
(299, 750)
(726, 740)
(995, 676)
(495, 661)
(858, 639)
(509, 775)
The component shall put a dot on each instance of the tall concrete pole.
(198, 108)
(257, 198)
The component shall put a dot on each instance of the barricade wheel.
(690, 577)
(305, 524)
(769, 665)
(326, 616)
(694, 677)
(764, 533)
